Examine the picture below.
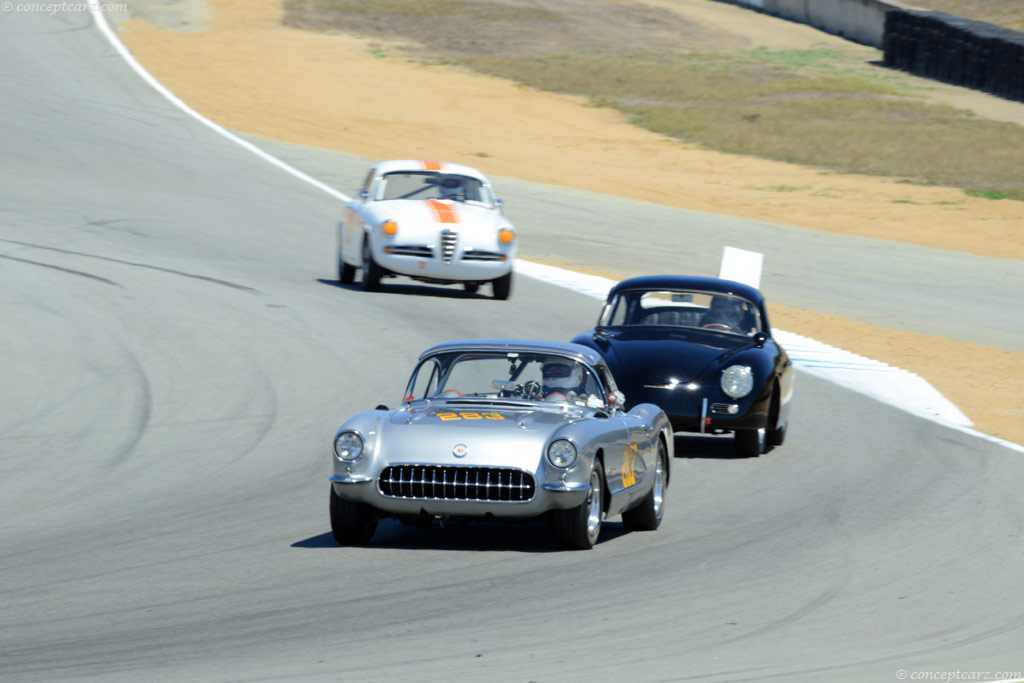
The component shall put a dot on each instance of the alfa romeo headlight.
(737, 381)
(562, 453)
(348, 446)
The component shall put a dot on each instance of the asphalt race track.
(176, 355)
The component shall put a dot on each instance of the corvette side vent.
(443, 482)
(448, 240)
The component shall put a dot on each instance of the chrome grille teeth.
(448, 240)
(440, 482)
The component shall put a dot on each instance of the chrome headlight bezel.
(349, 446)
(562, 453)
(737, 381)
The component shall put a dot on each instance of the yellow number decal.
(448, 417)
(629, 465)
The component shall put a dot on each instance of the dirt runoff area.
(236, 63)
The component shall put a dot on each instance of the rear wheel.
(749, 443)
(647, 515)
(502, 286)
(352, 523)
(579, 527)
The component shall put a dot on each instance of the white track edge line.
(587, 283)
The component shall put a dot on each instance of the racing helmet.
(562, 375)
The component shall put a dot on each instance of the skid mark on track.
(223, 283)
(69, 271)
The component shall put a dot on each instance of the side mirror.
(364, 194)
(500, 203)
(617, 400)
(760, 338)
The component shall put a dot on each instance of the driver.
(725, 312)
(562, 380)
(451, 188)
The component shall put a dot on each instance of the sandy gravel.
(241, 67)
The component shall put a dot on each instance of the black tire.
(352, 523)
(471, 287)
(776, 437)
(502, 286)
(749, 443)
(647, 515)
(346, 273)
(372, 273)
(579, 527)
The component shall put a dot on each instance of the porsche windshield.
(506, 375)
(677, 308)
(431, 185)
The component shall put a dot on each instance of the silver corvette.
(503, 429)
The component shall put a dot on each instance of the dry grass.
(819, 107)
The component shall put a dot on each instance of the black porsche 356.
(701, 349)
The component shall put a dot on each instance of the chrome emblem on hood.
(460, 450)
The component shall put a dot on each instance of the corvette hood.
(484, 433)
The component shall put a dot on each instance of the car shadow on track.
(442, 291)
(457, 536)
(708, 446)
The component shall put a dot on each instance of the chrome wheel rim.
(659, 486)
(594, 516)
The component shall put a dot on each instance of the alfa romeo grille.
(448, 240)
(449, 482)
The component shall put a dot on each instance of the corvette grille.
(448, 240)
(449, 482)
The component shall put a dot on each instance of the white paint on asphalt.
(893, 386)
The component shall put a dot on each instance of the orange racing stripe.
(445, 213)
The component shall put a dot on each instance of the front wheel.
(647, 515)
(346, 273)
(471, 287)
(502, 286)
(372, 272)
(778, 435)
(352, 523)
(579, 527)
(749, 443)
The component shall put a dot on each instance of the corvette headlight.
(562, 453)
(737, 381)
(348, 446)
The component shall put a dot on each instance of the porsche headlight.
(562, 453)
(389, 227)
(348, 446)
(506, 235)
(737, 381)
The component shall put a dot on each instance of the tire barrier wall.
(958, 51)
(862, 21)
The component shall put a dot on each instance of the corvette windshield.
(506, 375)
(433, 185)
(712, 311)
